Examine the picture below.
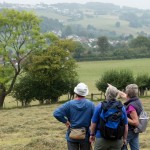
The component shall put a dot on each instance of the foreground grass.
(35, 128)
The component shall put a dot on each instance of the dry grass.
(35, 128)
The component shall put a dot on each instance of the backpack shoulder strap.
(100, 110)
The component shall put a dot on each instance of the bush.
(29, 88)
(22, 90)
(118, 78)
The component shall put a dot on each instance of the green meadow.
(107, 22)
(90, 72)
(35, 128)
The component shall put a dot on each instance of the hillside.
(105, 18)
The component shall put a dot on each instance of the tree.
(143, 82)
(67, 31)
(24, 91)
(140, 42)
(103, 44)
(79, 50)
(54, 70)
(49, 24)
(19, 36)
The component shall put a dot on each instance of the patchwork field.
(104, 22)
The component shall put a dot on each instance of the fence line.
(92, 96)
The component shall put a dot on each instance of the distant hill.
(101, 16)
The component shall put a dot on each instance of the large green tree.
(79, 50)
(143, 82)
(53, 70)
(140, 42)
(19, 37)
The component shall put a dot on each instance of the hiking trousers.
(103, 144)
(133, 140)
(78, 145)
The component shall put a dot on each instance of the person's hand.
(109, 84)
(122, 95)
(67, 124)
(125, 141)
(92, 139)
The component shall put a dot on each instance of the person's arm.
(92, 132)
(126, 125)
(120, 93)
(134, 118)
(94, 122)
(67, 124)
(62, 114)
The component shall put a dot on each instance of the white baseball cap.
(81, 89)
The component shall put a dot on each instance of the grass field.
(90, 72)
(107, 22)
(35, 128)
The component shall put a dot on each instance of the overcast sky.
(142, 4)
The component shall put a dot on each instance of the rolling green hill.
(104, 17)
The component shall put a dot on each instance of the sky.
(141, 4)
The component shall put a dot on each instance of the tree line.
(138, 47)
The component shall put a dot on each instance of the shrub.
(118, 78)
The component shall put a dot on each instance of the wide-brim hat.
(81, 89)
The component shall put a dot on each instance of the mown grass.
(35, 128)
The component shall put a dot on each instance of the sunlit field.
(35, 128)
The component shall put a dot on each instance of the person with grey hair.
(76, 114)
(109, 123)
(133, 108)
(111, 92)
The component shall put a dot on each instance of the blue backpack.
(112, 126)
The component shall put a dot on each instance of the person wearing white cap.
(76, 114)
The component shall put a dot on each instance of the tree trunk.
(22, 103)
(142, 92)
(2, 95)
(41, 102)
(54, 99)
